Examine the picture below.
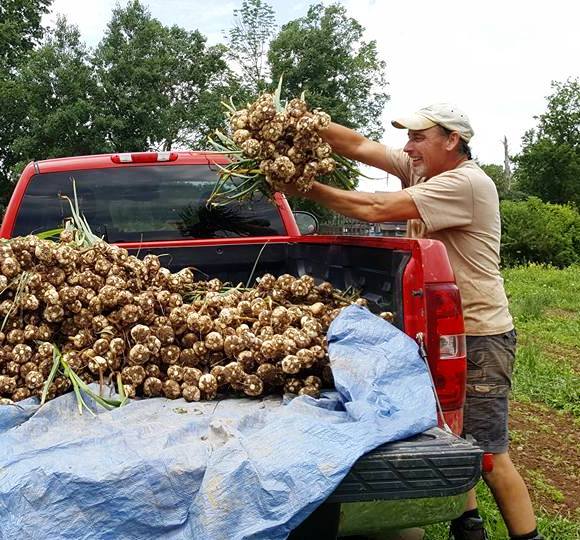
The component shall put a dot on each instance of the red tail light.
(144, 157)
(446, 343)
(487, 462)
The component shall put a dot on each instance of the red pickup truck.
(156, 203)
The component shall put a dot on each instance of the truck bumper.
(378, 518)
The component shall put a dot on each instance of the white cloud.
(209, 18)
(93, 17)
(90, 17)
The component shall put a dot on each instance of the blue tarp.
(236, 468)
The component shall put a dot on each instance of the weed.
(541, 484)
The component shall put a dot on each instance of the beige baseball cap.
(442, 114)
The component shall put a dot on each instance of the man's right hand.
(290, 190)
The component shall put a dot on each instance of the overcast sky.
(495, 59)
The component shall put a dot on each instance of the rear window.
(131, 204)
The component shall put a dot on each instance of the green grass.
(540, 483)
(552, 527)
(539, 378)
(545, 303)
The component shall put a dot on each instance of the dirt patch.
(555, 312)
(545, 446)
(570, 355)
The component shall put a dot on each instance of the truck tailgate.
(432, 464)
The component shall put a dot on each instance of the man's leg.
(468, 526)
(490, 364)
(512, 498)
(511, 495)
(471, 502)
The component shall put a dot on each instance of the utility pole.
(506, 163)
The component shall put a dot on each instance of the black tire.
(322, 524)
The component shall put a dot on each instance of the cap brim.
(414, 121)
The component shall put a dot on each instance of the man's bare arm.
(353, 145)
(371, 207)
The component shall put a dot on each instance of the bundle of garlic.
(73, 314)
(273, 145)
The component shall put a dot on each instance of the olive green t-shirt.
(460, 208)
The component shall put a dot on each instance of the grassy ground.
(545, 416)
(545, 303)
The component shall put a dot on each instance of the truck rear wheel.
(322, 524)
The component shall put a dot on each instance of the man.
(447, 197)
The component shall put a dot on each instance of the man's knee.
(503, 469)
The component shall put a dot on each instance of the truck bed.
(433, 464)
(373, 272)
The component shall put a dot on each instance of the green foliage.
(55, 88)
(306, 205)
(549, 164)
(248, 41)
(324, 55)
(158, 86)
(20, 30)
(550, 170)
(544, 303)
(561, 122)
(152, 87)
(497, 174)
(147, 87)
(533, 231)
(507, 189)
(10, 121)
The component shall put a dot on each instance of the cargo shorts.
(490, 363)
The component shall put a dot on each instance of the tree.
(11, 118)
(160, 87)
(561, 122)
(507, 167)
(549, 163)
(248, 41)
(535, 231)
(56, 88)
(324, 55)
(550, 171)
(20, 29)
(497, 174)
